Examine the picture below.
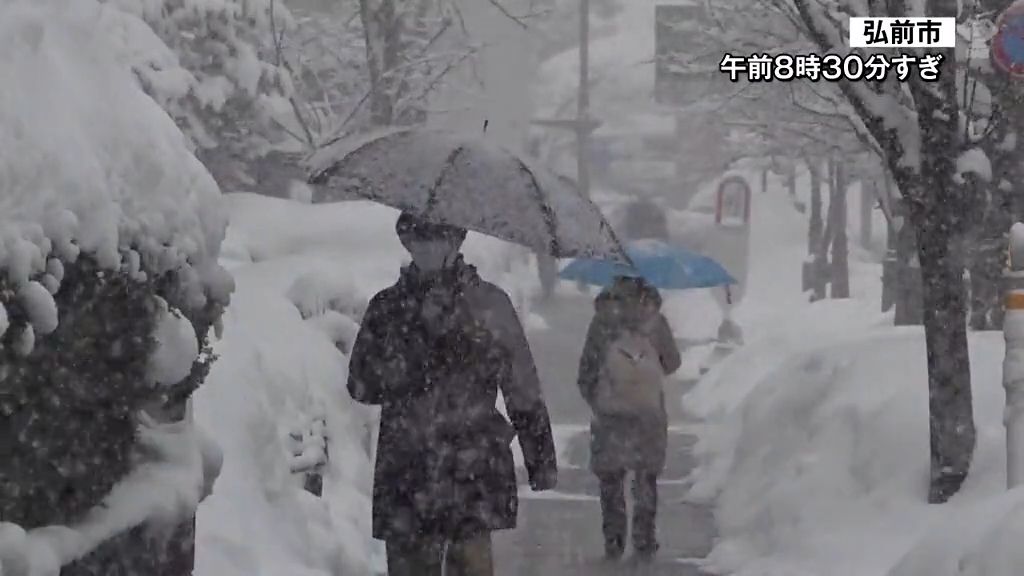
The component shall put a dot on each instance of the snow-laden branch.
(884, 115)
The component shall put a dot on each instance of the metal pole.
(583, 103)
(1013, 362)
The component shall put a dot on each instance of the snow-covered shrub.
(109, 233)
(213, 66)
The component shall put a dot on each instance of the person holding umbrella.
(629, 351)
(433, 351)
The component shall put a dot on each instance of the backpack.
(632, 378)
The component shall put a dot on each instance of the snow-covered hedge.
(109, 235)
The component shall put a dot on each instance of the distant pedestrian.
(645, 220)
(629, 351)
(433, 351)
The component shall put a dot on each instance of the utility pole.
(583, 125)
(583, 103)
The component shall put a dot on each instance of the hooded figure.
(622, 442)
(433, 351)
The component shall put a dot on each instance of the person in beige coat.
(623, 442)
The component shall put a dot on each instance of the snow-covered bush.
(109, 234)
(213, 66)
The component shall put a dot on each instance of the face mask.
(433, 255)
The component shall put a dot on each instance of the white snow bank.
(89, 162)
(719, 398)
(160, 492)
(275, 369)
(817, 451)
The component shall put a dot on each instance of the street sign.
(1007, 49)
(732, 203)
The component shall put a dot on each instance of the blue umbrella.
(662, 265)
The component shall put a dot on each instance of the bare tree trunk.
(382, 26)
(814, 228)
(791, 178)
(840, 242)
(821, 270)
(889, 265)
(909, 304)
(815, 224)
(949, 377)
(868, 196)
(939, 221)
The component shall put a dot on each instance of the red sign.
(732, 203)
(1007, 47)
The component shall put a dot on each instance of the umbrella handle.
(728, 295)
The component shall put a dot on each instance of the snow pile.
(162, 491)
(90, 164)
(815, 443)
(817, 452)
(276, 369)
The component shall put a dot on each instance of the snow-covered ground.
(815, 443)
(304, 274)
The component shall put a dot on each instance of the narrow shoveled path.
(559, 532)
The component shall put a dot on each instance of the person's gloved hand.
(545, 479)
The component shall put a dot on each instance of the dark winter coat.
(444, 462)
(624, 442)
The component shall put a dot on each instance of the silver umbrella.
(461, 181)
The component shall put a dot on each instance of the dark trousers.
(432, 557)
(645, 510)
